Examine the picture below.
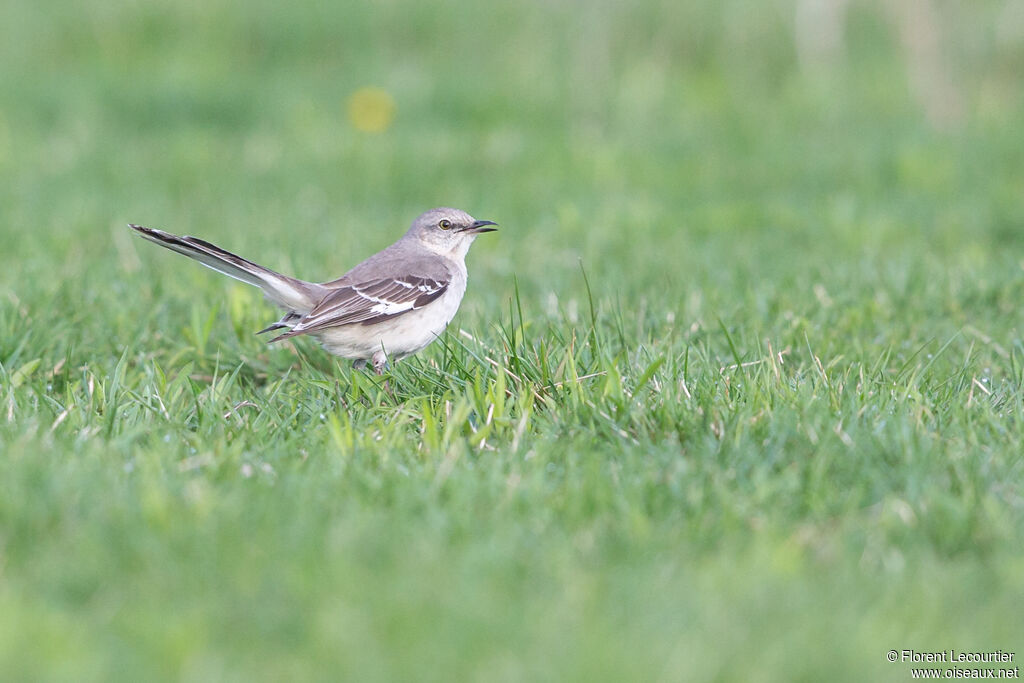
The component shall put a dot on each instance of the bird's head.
(448, 231)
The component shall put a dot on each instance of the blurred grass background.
(837, 181)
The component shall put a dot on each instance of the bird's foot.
(380, 362)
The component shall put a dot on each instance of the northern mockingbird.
(393, 304)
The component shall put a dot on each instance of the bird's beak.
(477, 227)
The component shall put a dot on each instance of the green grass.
(735, 393)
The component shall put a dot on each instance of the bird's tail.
(295, 295)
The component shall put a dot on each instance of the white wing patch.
(426, 287)
(382, 306)
(391, 308)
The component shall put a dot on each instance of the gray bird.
(391, 305)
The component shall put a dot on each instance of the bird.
(391, 305)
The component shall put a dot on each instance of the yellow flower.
(371, 110)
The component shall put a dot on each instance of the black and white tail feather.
(287, 292)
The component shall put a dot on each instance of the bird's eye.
(445, 224)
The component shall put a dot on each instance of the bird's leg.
(380, 362)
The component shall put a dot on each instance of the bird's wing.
(371, 302)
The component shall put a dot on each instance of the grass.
(735, 393)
